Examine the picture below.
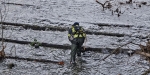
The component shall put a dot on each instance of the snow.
(64, 13)
(80, 10)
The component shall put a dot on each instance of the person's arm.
(70, 35)
(84, 34)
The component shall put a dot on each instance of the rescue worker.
(76, 36)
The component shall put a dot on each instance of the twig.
(103, 5)
(117, 49)
(146, 72)
(142, 52)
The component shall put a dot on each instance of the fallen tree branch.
(111, 25)
(107, 34)
(56, 28)
(17, 4)
(35, 27)
(36, 60)
(143, 53)
(60, 46)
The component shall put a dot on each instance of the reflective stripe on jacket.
(77, 34)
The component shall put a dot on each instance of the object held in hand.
(71, 38)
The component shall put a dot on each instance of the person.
(76, 35)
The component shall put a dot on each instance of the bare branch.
(2, 52)
(103, 5)
(3, 15)
(116, 50)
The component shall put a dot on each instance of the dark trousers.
(76, 48)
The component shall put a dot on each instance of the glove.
(71, 38)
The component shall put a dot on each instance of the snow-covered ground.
(93, 65)
(81, 11)
(64, 13)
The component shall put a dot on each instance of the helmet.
(76, 23)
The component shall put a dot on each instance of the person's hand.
(71, 38)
